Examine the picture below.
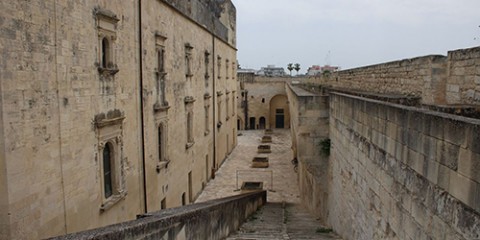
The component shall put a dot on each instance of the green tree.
(296, 67)
(290, 68)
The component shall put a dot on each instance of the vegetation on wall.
(325, 147)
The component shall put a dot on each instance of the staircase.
(282, 221)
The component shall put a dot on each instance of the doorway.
(279, 118)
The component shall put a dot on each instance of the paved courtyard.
(238, 166)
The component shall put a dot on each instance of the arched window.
(105, 52)
(107, 170)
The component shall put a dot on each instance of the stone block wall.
(309, 129)
(406, 77)
(463, 82)
(402, 173)
(437, 79)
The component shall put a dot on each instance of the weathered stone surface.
(214, 219)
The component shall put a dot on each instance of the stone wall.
(463, 82)
(401, 172)
(437, 79)
(309, 129)
(214, 219)
(262, 93)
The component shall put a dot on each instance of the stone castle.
(115, 110)
(110, 109)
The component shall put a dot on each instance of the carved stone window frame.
(219, 65)
(106, 22)
(162, 147)
(189, 100)
(226, 68)
(188, 60)
(109, 130)
(207, 74)
(233, 70)
(161, 103)
(227, 105)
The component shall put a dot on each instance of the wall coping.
(415, 109)
(164, 218)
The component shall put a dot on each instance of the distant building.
(271, 71)
(317, 69)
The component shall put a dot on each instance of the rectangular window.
(188, 60)
(219, 63)
(226, 68)
(160, 84)
(207, 63)
(207, 119)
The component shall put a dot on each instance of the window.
(161, 103)
(108, 128)
(207, 119)
(189, 100)
(233, 70)
(190, 127)
(207, 63)
(233, 102)
(188, 60)
(107, 170)
(105, 53)
(226, 68)
(161, 143)
(219, 63)
(227, 108)
(106, 27)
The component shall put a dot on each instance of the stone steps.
(282, 221)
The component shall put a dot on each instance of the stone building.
(110, 109)
(262, 102)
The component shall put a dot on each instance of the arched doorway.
(261, 123)
(279, 112)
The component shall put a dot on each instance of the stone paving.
(238, 165)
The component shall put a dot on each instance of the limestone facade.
(263, 102)
(110, 109)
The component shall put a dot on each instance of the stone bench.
(260, 162)
(264, 149)
(266, 139)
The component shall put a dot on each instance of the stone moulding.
(114, 199)
(189, 99)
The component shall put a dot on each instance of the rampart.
(437, 79)
(208, 220)
(402, 172)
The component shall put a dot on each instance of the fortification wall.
(309, 130)
(437, 79)
(401, 172)
(463, 82)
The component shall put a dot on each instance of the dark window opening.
(105, 52)
(107, 170)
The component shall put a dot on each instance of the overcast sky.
(355, 32)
